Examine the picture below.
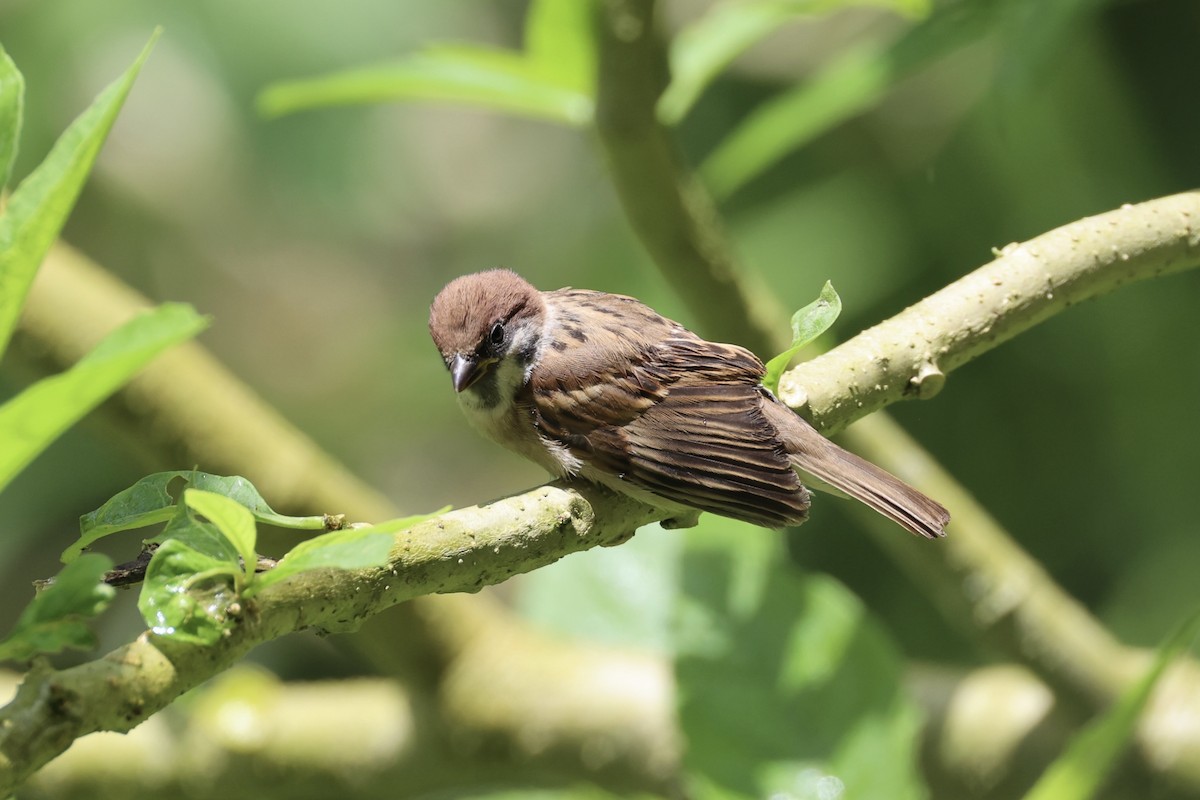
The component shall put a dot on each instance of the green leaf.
(12, 102)
(355, 548)
(470, 74)
(786, 686)
(618, 596)
(846, 87)
(232, 519)
(705, 48)
(1079, 773)
(37, 416)
(151, 501)
(807, 324)
(191, 582)
(558, 38)
(55, 619)
(36, 211)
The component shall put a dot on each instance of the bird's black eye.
(496, 337)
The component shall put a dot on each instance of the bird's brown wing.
(668, 413)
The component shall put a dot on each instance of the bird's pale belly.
(513, 428)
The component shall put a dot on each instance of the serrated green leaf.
(1080, 772)
(37, 416)
(785, 684)
(190, 582)
(355, 548)
(558, 38)
(706, 47)
(232, 519)
(842, 89)
(55, 619)
(807, 324)
(12, 102)
(150, 501)
(39, 206)
(454, 73)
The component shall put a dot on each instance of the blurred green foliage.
(884, 152)
(1096, 749)
(57, 617)
(30, 221)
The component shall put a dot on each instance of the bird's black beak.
(465, 370)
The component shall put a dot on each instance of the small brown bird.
(601, 386)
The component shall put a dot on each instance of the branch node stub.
(580, 516)
(928, 381)
(794, 395)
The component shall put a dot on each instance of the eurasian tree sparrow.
(600, 386)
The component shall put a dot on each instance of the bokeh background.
(317, 240)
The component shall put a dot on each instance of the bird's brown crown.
(464, 312)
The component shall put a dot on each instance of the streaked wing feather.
(673, 451)
(669, 413)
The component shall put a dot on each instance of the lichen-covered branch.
(460, 551)
(910, 354)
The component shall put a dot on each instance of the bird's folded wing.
(682, 420)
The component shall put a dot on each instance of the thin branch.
(133, 572)
(909, 355)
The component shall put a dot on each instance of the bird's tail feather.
(815, 456)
